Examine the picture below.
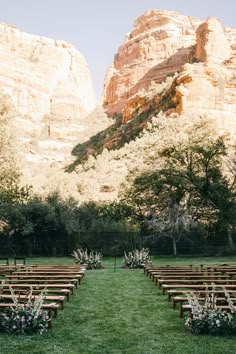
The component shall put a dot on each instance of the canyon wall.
(163, 43)
(51, 89)
(160, 43)
(44, 76)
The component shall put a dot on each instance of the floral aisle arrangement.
(25, 318)
(137, 258)
(92, 259)
(206, 318)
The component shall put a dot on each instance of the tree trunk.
(230, 240)
(174, 246)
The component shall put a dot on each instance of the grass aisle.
(118, 313)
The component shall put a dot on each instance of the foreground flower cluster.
(206, 318)
(27, 318)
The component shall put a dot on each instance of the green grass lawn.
(119, 312)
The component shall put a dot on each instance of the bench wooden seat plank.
(65, 274)
(160, 278)
(23, 297)
(63, 267)
(193, 271)
(192, 276)
(49, 278)
(49, 272)
(182, 299)
(43, 282)
(47, 286)
(164, 274)
(197, 286)
(24, 291)
(183, 282)
(54, 306)
(198, 292)
(43, 276)
(170, 268)
(189, 308)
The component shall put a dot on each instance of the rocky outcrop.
(209, 89)
(161, 43)
(44, 76)
(209, 86)
(212, 44)
(51, 88)
(203, 88)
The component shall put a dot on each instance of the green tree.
(188, 187)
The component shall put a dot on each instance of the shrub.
(206, 318)
(92, 259)
(28, 318)
(137, 258)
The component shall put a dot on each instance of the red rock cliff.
(161, 43)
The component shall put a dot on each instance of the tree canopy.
(184, 184)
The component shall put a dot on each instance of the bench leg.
(50, 318)
(180, 310)
(55, 312)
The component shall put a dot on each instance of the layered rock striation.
(44, 76)
(160, 43)
(202, 53)
(208, 87)
(51, 89)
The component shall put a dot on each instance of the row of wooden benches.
(57, 281)
(178, 281)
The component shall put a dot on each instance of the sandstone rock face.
(161, 43)
(51, 88)
(43, 75)
(212, 44)
(209, 89)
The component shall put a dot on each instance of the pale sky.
(98, 27)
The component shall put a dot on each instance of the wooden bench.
(161, 278)
(173, 292)
(190, 267)
(68, 273)
(197, 286)
(191, 275)
(37, 282)
(44, 278)
(189, 308)
(170, 270)
(182, 299)
(48, 287)
(23, 297)
(51, 266)
(7, 269)
(48, 272)
(162, 282)
(25, 292)
(153, 275)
